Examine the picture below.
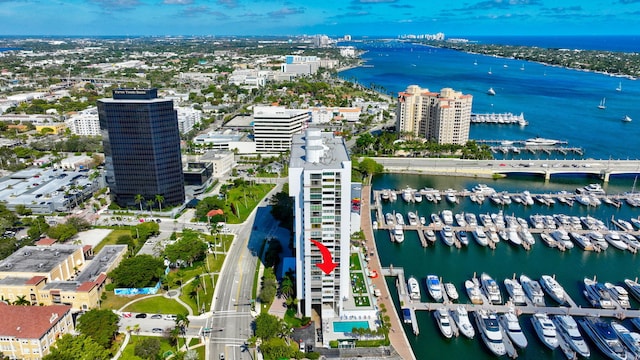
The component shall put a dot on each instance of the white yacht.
(490, 331)
(461, 318)
(619, 294)
(414, 288)
(447, 235)
(591, 189)
(514, 238)
(603, 335)
(480, 236)
(452, 292)
(582, 241)
(462, 237)
(598, 240)
(551, 242)
(545, 329)
(471, 219)
(597, 294)
(567, 328)
(491, 289)
(413, 218)
(483, 189)
(430, 235)
(407, 195)
(435, 220)
(417, 197)
(533, 290)
(398, 234)
(473, 291)
(399, 219)
(629, 338)
(526, 236)
(527, 199)
(434, 287)
(553, 288)
(485, 220)
(444, 322)
(613, 238)
(562, 237)
(538, 141)
(515, 291)
(511, 325)
(451, 197)
(389, 219)
(447, 217)
(460, 220)
(634, 287)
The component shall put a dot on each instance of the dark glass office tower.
(141, 147)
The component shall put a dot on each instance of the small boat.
(423, 220)
(634, 287)
(444, 322)
(451, 197)
(553, 288)
(471, 219)
(626, 118)
(389, 219)
(613, 238)
(435, 220)
(491, 289)
(515, 291)
(605, 338)
(480, 236)
(407, 195)
(489, 72)
(490, 331)
(491, 91)
(473, 291)
(434, 287)
(619, 88)
(417, 197)
(399, 219)
(533, 290)
(567, 328)
(414, 288)
(452, 292)
(461, 318)
(597, 294)
(430, 235)
(511, 325)
(629, 338)
(545, 329)
(447, 235)
(598, 240)
(413, 218)
(602, 105)
(462, 237)
(619, 294)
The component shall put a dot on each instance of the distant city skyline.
(331, 17)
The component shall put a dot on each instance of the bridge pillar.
(547, 175)
(605, 175)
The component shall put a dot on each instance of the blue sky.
(331, 17)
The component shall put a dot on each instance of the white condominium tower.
(441, 117)
(274, 126)
(320, 183)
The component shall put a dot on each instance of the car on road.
(170, 317)
(156, 316)
(141, 316)
(157, 331)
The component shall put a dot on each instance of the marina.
(499, 119)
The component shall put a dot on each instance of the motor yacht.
(629, 338)
(613, 238)
(444, 322)
(485, 220)
(547, 239)
(545, 329)
(632, 242)
(498, 219)
(462, 237)
(460, 220)
(435, 220)
(605, 338)
(447, 235)
(384, 195)
(561, 236)
(398, 234)
(493, 234)
(430, 235)
(473, 291)
(480, 236)
(538, 141)
(407, 195)
(417, 197)
(447, 217)
(483, 189)
(634, 288)
(471, 219)
(597, 294)
(582, 241)
(451, 291)
(451, 197)
(490, 331)
(514, 238)
(399, 219)
(496, 199)
(553, 288)
(598, 240)
(389, 219)
(533, 290)
(619, 294)
(461, 318)
(414, 288)
(413, 218)
(515, 291)
(491, 289)
(434, 287)
(567, 328)
(511, 325)
(526, 236)
(591, 189)
(527, 199)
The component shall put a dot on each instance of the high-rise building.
(442, 117)
(320, 183)
(274, 126)
(85, 122)
(141, 147)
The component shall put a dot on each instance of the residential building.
(442, 117)
(222, 162)
(187, 118)
(55, 128)
(320, 183)
(85, 122)
(320, 115)
(29, 332)
(275, 126)
(141, 147)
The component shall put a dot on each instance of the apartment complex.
(320, 183)
(442, 117)
(141, 147)
(28, 332)
(85, 122)
(275, 126)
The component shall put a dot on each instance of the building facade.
(320, 183)
(275, 126)
(85, 122)
(442, 117)
(141, 147)
(187, 118)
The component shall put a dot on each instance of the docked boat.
(605, 338)
(450, 196)
(430, 235)
(538, 141)
(597, 294)
(471, 219)
(511, 325)
(545, 329)
(447, 217)
(634, 288)
(515, 291)
(413, 218)
(473, 292)
(384, 195)
(632, 242)
(491, 289)
(451, 291)
(446, 233)
(460, 220)
(628, 338)
(547, 239)
(389, 219)
(527, 199)
(582, 241)
(444, 322)
(417, 197)
(493, 234)
(598, 240)
(591, 189)
(462, 237)
(553, 288)
(485, 220)
(434, 287)
(533, 290)
(567, 328)
(480, 236)
(461, 318)
(435, 220)
(613, 238)
(562, 237)
(490, 331)
(514, 238)
(423, 220)
(619, 294)
(399, 219)
(526, 236)
(414, 288)
(398, 234)
(483, 189)
(407, 195)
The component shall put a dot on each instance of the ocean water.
(559, 103)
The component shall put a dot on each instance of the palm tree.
(22, 301)
(286, 287)
(159, 200)
(139, 199)
(182, 322)
(150, 205)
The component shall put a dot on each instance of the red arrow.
(327, 265)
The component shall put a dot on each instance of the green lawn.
(359, 286)
(157, 305)
(203, 297)
(361, 301)
(115, 302)
(244, 200)
(355, 262)
(111, 239)
(128, 353)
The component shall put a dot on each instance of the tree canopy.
(188, 248)
(147, 348)
(100, 325)
(80, 347)
(138, 271)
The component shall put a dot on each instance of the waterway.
(457, 265)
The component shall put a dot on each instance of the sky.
(330, 17)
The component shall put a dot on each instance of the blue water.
(558, 103)
(347, 326)
(629, 43)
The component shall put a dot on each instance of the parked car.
(156, 316)
(141, 316)
(157, 331)
(170, 317)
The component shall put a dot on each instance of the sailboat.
(475, 62)
(626, 118)
(491, 91)
(619, 88)
(489, 71)
(602, 106)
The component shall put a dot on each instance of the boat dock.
(535, 149)
(499, 119)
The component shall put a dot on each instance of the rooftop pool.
(347, 326)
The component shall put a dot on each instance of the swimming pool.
(347, 326)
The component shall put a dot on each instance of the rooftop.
(36, 259)
(101, 263)
(331, 149)
(29, 322)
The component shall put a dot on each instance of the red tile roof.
(87, 286)
(46, 242)
(35, 280)
(29, 322)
